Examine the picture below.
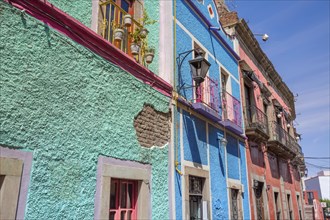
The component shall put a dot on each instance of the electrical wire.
(317, 166)
(317, 158)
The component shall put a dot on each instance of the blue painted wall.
(194, 139)
(215, 20)
(190, 28)
(218, 175)
(198, 29)
(233, 158)
(244, 181)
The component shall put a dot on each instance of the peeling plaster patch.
(152, 127)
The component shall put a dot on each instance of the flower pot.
(149, 56)
(135, 48)
(118, 34)
(143, 33)
(127, 20)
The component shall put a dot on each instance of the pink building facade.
(274, 157)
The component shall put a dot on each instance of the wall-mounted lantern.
(223, 142)
(198, 66)
(264, 36)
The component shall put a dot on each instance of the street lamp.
(198, 66)
(264, 36)
(223, 142)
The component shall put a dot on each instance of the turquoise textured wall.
(79, 9)
(68, 106)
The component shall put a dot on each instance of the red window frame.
(123, 199)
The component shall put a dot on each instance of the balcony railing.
(208, 94)
(256, 119)
(280, 135)
(231, 109)
(113, 18)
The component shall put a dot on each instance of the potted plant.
(118, 32)
(127, 20)
(143, 32)
(149, 54)
(136, 41)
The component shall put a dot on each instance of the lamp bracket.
(182, 56)
(185, 87)
(179, 60)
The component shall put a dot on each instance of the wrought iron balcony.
(207, 93)
(206, 99)
(231, 112)
(256, 124)
(120, 28)
(282, 143)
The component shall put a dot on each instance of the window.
(200, 93)
(196, 197)
(299, 207)
(248, 103)
(289, 206)
(310, 198)
(234, 204)
(123, 198)
(258, 192)
(207, 92)
(123, 190)
(277, 206)
(15, 168)
(235, 188)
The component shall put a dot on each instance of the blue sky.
(299, 49)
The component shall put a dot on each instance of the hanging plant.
(118, 32)
(136, 41)
(135, 48)
(149, 54)
(127, 20)
(143, 32)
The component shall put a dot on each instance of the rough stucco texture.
(68, 106)
(79, 9)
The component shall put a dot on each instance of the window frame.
(234, 184)
(26, 160)
(277, 203)
(290, 209)
(111, 168)
(190, 171)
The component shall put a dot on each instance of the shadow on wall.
(193, 136)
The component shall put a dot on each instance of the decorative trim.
(67, 25)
